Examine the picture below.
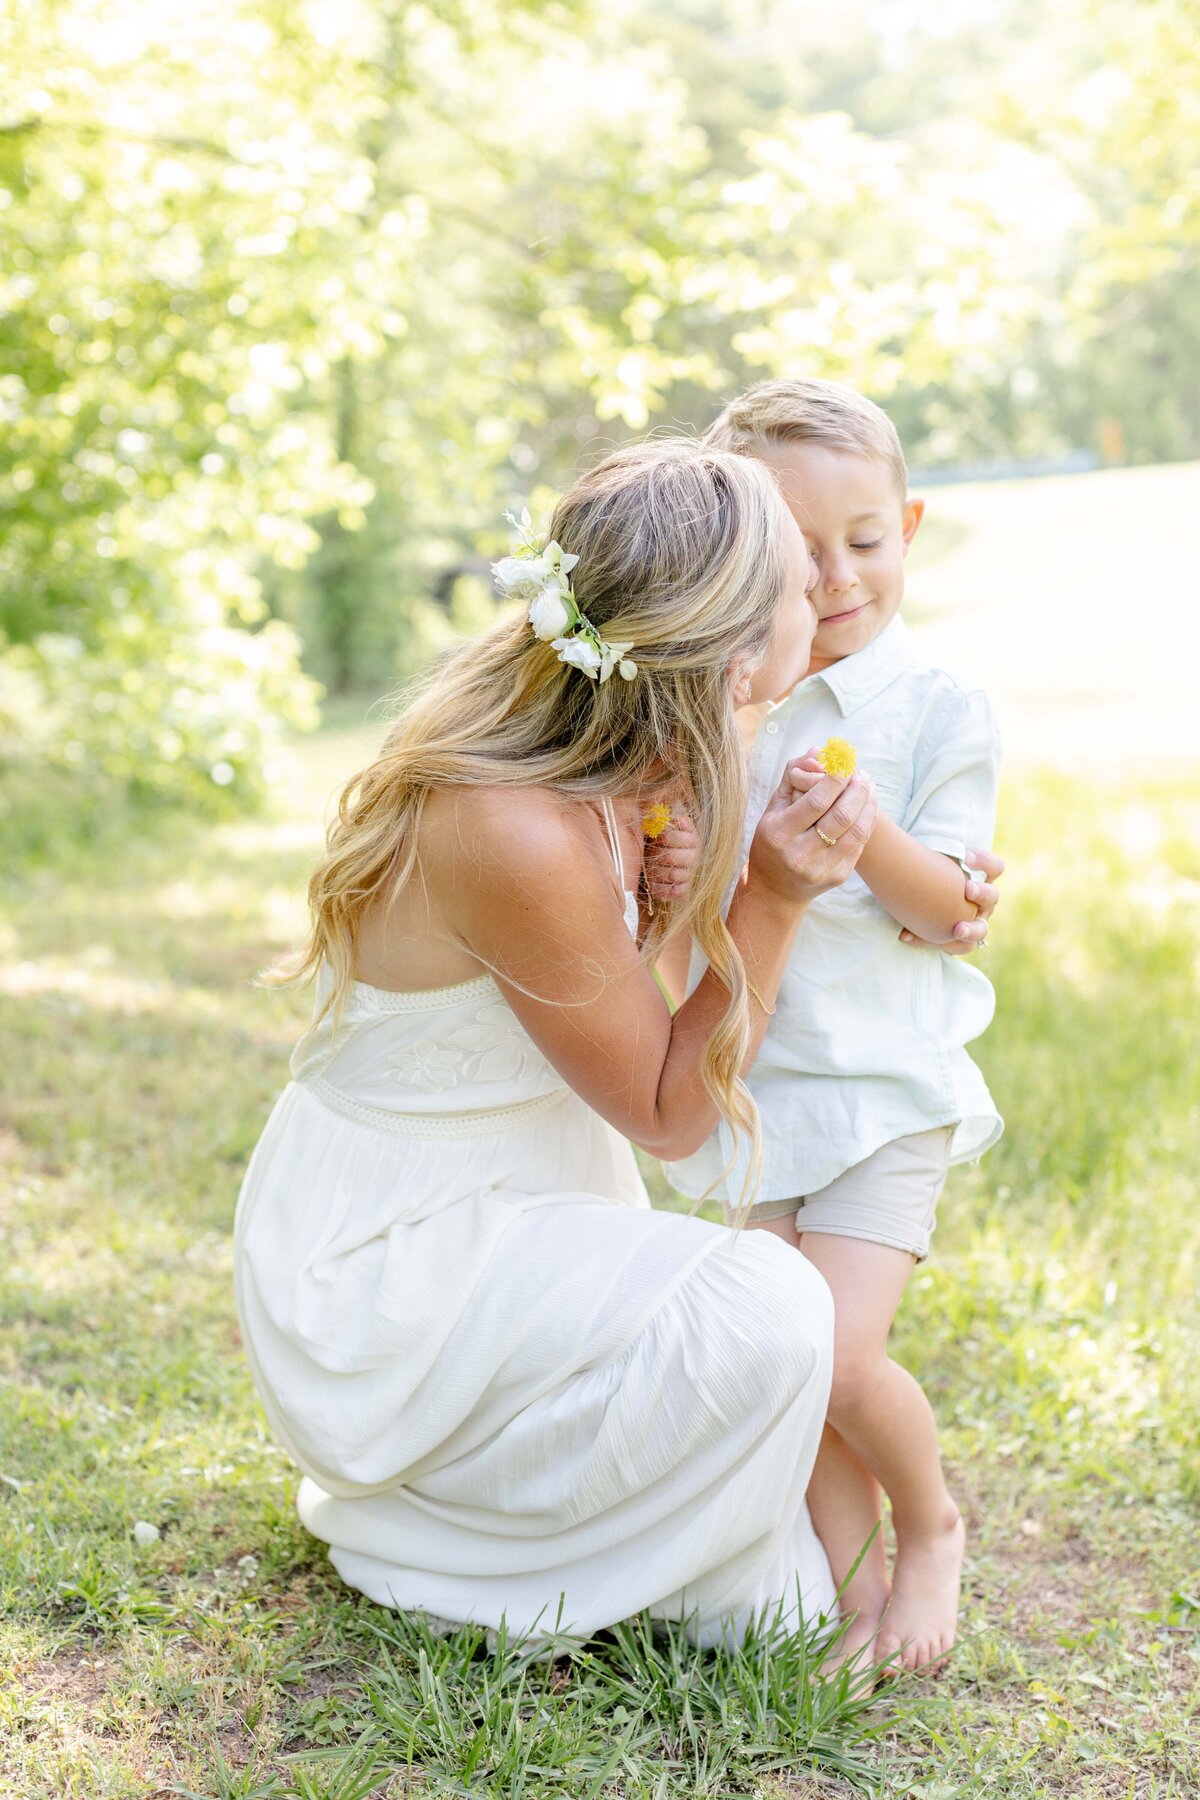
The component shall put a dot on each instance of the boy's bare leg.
(883, 1416)
(845, 1500)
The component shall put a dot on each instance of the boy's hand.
(667, 860)
(971, 934)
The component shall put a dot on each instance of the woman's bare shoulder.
(499, 827)
(483, 854)
(523, 879)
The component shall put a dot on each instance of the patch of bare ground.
(70, 1701)
(1075, 1586)
(804, 1787)
(65, 1720)
(78, 1673)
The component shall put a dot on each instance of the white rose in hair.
(521, 577)
(549, 614)
(579, 654)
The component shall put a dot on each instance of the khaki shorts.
(889, 1198)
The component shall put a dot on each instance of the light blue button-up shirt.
(866, 1044)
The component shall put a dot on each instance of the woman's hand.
(971, 934)
(812, 833)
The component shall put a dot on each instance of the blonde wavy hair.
(807, 411)
(682, 551)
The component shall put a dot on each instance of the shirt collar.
(859, 678)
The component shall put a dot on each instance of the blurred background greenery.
(297, 296)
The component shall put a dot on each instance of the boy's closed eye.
(873, 545)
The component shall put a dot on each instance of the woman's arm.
(521, 881)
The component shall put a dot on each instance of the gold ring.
(832, 842)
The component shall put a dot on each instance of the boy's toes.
(891, 1650)
(855, 1649)
(934, 1655)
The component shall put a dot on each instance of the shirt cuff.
(954, 848)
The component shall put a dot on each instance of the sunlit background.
(295, 300)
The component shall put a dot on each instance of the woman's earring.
(741, 686)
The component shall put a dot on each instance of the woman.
(515, 1390)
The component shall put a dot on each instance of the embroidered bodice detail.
(447, 1062)
(488, 1046)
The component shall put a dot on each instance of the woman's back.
(403, 941)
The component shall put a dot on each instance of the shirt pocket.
(885, 754)
(892, 776)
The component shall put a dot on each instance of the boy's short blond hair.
(809, 412)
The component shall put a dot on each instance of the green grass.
(1055, 1329)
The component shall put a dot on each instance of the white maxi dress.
(515, 1390)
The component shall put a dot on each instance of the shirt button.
(772, 729)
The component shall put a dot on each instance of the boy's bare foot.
(854, 1647)
(920, 1624)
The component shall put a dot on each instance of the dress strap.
(614, 839)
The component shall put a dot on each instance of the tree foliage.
(298, 295)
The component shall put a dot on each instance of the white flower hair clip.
(540, 573)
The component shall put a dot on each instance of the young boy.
(865, 1091)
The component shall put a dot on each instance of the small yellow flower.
(838, 757)
(655, 822)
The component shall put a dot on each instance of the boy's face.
(857, 528)
(788, 654)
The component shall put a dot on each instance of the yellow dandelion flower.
(655, 822)
(838, 757)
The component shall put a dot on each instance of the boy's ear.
(914, 512)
